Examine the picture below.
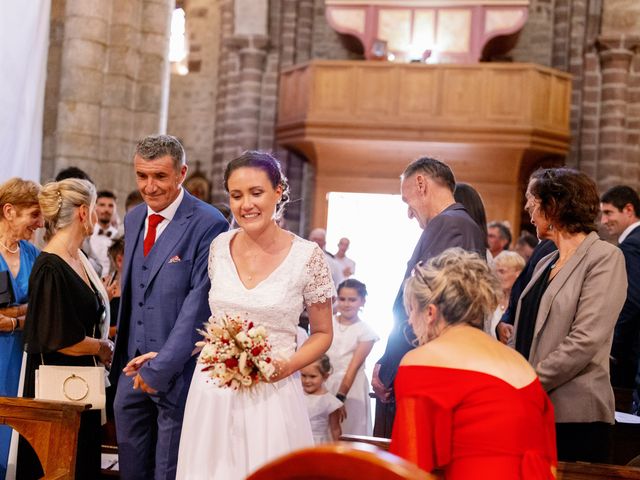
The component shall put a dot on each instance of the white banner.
(24, 44)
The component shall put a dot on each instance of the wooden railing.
(566, 470)
(50, 427)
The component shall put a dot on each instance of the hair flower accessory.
(235, 353)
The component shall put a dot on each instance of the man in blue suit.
(165, 286)
(620, 208)
(427, 188)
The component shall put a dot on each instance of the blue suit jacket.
(177, 291)
(453, 227)
(625, 349)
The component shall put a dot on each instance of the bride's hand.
(135, 363)
(282, 370)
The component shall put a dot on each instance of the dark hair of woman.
(472, 202)
(568, 198)
(268, 164)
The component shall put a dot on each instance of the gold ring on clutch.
(74, 381)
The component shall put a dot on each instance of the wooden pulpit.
(50, 427)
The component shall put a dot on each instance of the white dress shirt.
(168, 214)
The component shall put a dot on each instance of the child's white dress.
(319, 408)
(358, 404)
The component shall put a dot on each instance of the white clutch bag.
(71, 384)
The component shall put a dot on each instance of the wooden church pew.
(50, 427)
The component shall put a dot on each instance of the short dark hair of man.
(72, 172)
(620, 196)
(568, 198)
(106, 194)
(504, 231)
(434, 169)
(527, 238)
(134, 198)
(157, 146)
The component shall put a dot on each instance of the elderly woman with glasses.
(465, 402)
(566, 314)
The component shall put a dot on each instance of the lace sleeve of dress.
(319, 287)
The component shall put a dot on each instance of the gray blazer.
(574, 329)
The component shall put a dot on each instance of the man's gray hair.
(434, 169)
(157, 146)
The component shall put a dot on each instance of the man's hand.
(138, 382)
(383, 393)
(134, 364)
(504, 331)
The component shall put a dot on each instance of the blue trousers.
(148, 430)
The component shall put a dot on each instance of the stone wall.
(106, 84)
(192, 103)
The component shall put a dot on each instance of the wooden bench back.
(339, 461)
(566, 470)
(50, 427)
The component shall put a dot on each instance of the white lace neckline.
(270, 275)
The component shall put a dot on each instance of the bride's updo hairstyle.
(58, 201)
(269, 165)
(459, 283)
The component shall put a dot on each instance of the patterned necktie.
(149, 240)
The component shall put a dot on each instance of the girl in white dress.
(323, 407)
(266, 275)
(352, 342)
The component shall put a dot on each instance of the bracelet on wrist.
(341, 396)
(13, 324)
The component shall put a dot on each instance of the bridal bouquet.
(235, 352)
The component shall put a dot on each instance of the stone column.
(252, 54)
(153, 71)
(81, 84)
(631, 172)
(615, 62)
(228, 68)
(588, 133)
(52, 90)
(118, 115)
(304, 31)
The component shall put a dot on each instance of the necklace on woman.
(16, 250)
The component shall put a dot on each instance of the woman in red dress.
(467, 406)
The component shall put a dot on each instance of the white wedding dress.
(227, 434)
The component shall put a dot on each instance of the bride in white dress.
(267, 275)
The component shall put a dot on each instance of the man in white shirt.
(620, 207)
(345, 267)
(103, 231)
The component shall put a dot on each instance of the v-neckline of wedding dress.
(271, 274)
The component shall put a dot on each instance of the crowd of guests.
(500, 360)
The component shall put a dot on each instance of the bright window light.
(382, 240)
(178, 43)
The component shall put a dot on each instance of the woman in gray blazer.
(566, 314)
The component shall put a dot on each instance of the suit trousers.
(148, 429)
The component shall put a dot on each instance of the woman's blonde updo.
(459, 283)
(58, 201)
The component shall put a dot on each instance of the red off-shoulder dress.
(472, 425)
